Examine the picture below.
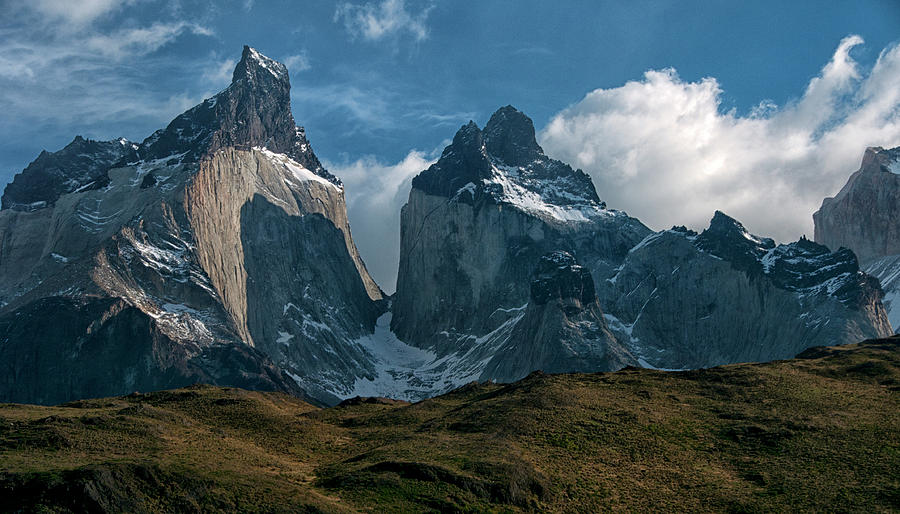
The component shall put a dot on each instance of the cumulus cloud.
(662, 149)
(375, 193)
(377, 20)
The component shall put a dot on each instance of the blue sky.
(739, 110)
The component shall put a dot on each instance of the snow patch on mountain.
(296, 170)
(278, 70)
(538, 197)
(409, 373)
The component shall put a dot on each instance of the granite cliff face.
(863, 216)
(476, 224)
(475, 227)
(217, 250)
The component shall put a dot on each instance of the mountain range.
(218, 250)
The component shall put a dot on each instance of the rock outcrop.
(216, 250)
(863, 217)
(562, 329)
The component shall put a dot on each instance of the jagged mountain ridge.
(222, 247)
(253, 111)
(82, 164)
(673, 299)
(682, 300)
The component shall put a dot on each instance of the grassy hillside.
(820, 432)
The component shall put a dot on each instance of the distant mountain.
(476, 226)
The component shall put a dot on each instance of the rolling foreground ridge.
(821, 431)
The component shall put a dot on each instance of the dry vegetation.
(816, 433)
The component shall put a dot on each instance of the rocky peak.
(877, 159)
(509, 136)
(727, 238)
(503, 164)
(724, 225)
(254, 111)
(464, 161)
(559, 277)
(256, 67)
(82, 164)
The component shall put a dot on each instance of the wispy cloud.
(662, 148)
(366, 109)
(377, 20)
(78, 13)
(297, 62)
(219, 73)
(71, 62)
(140, 41)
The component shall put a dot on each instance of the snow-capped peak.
(504, 164)
(252, 58)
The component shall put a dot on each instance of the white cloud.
(220, 73)
(58, 66)
(375, 192)
(377, 20)
(297, 63)
(661, 148)
(140, 41)
(78, 13)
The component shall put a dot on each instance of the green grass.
(820, 433)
